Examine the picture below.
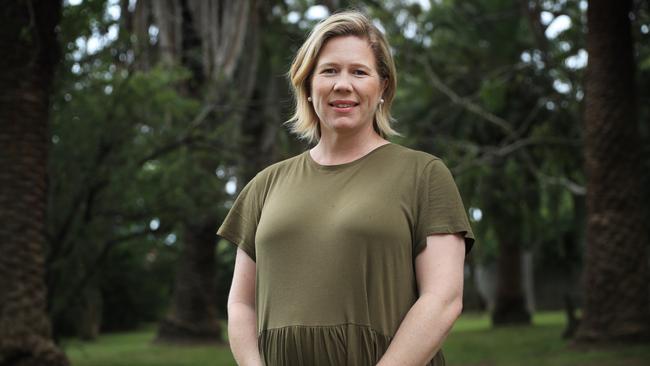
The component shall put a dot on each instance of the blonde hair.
(304, 121)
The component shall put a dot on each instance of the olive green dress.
(335, 248)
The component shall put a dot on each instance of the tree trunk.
(259, 127)
(510, 304)
(193, 316)
(218, 32)
(28, 38)
(207, 38)
(507, 217)
(616, 277)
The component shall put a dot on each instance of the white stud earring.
(309, 99)
(381, 101)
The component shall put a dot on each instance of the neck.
(334, 148)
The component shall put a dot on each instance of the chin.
(345, 122)
(344, 126)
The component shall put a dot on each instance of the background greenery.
(151, 136)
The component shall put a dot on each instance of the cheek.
(320, 88)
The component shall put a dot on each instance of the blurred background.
(140, 121)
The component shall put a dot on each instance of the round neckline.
(343, 165)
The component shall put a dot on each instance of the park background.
(128, 127)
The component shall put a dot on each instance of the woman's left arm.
(439, 274)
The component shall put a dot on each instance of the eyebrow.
(335, 64)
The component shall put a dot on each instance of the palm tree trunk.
(28, 39)
(616, 306)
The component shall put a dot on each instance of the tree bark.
(510, 301)
(616, 305)
(219, 29)
(193, 316)
(29, 40)
(207, 38)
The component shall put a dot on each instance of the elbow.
(238, 305)
(450, 305)
(457, 307)
(454, 307)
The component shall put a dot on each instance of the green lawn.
(137, 349)
(471, 343)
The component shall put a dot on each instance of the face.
(346, 87)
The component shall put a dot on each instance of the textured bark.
(28, 38)
(220, 28)
(616, 305)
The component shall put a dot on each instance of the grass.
(137, 349)
(472, 342)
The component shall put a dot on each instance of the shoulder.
(277, 169)
(418, 160)
(281, 166)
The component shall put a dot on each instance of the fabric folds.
(338, 345)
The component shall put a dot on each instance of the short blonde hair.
(304, 121)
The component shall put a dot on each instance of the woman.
(352, 252)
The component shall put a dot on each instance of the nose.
(342, 83)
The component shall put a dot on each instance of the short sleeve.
(440, 208)
(240, 224)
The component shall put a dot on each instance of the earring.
(309, 99)
(381, 101)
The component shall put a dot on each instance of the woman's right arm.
(242, 319)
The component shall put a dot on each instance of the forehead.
(347, 50)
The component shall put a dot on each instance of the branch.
(490, 154)
(466, 103)
(103, 153)
(168, 148)
(185, 140)
(573, 187)
(93, 269)
(519, 144)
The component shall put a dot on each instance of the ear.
(384, 84)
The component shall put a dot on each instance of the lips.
(343, 105)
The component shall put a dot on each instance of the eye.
(360, 72)
(328, 71)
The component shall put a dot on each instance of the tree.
(207, 38)
(31, 51)
(477, 88)
(616, 272)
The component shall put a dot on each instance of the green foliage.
(135, 284)
(493, 95)
(130, 148)
(470, 63)
(98, 158)
(127, 145)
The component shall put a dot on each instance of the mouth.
(343, 105)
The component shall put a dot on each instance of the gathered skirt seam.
(328, 326)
